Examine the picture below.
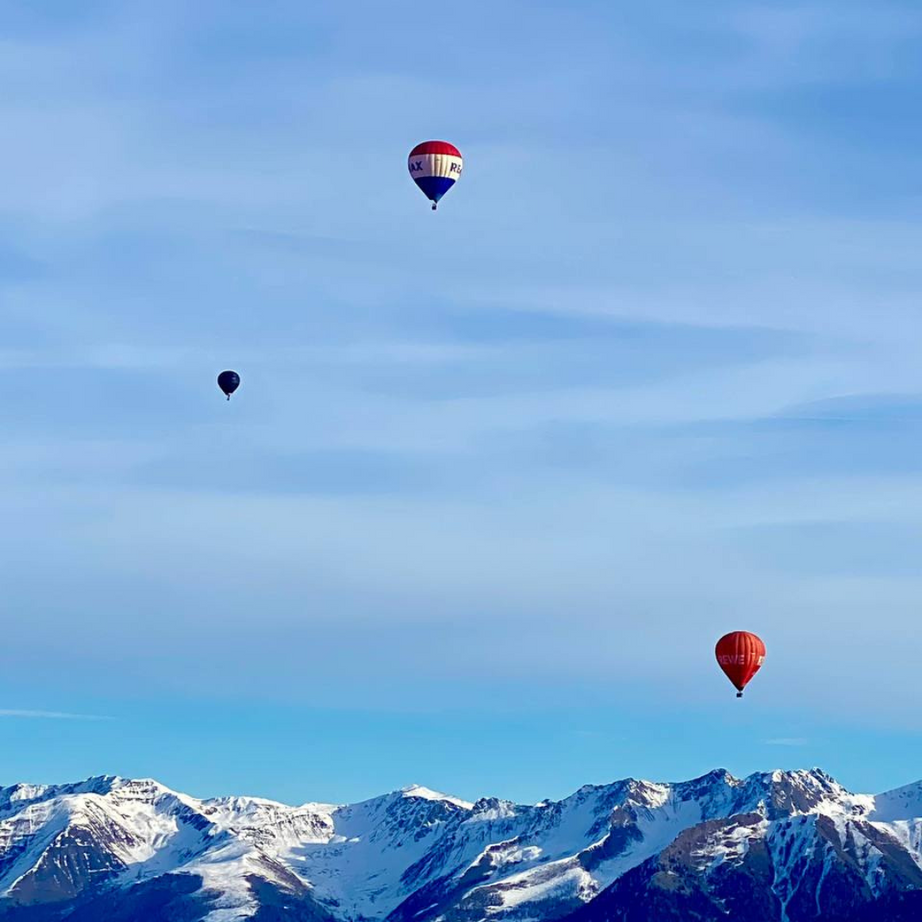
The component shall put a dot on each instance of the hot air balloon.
(740, 655)
(228, 381)
(435, 166)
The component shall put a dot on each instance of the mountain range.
(772, 847)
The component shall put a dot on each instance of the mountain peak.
(418, 790)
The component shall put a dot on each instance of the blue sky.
(496, 478)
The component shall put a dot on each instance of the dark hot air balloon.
(435, 166)
(228, 381)
(740, 655)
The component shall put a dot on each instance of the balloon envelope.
(435, 166)
(228, 381)
(740, 655)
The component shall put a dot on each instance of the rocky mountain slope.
(784, 847)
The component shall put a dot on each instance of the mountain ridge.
(783, 846)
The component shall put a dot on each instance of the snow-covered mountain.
(780, 846)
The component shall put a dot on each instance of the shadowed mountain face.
(778, 847)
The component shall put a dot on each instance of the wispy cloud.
(49, 715)
(787, 741)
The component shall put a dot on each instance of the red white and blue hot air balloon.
(435, 166)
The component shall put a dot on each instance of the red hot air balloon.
(740, 655)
